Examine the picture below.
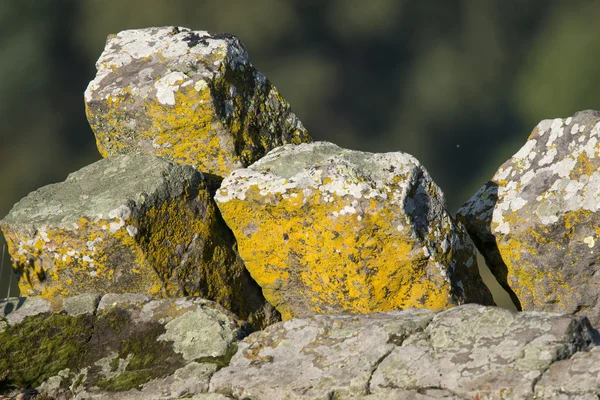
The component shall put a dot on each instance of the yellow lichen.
(333, 262)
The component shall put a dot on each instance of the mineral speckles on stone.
(536, 221)
(131, 223)
(467, 352)
(328, 230)
(190, 96)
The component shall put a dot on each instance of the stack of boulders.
(165, 270)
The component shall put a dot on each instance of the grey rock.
(86, 303)
(133, 224)
(536, 220)
(577, 377)
(16, 309)
(466, 352)
(190, 96)
(138, 347)
(328, 230)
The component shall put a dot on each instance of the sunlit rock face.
(130, 223)
(328, 230)
(537, 221)
(190, 96)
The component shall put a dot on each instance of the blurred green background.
(457, 83)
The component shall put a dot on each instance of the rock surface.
(190, 96)
(125, 343)
(537, 220)
(130, 347)
(327, 230)
(461, 353)
(130, 223)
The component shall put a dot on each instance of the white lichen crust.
(324, 229)
(537, 220)
(190, 96)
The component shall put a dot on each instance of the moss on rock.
(41, 346)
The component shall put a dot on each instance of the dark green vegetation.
(140, 356)
(41, 346)
(119, 353)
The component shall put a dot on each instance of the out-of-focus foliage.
(459, 83)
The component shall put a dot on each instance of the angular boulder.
(327, 230)
(190, 96)
(130, 223)
(118, 346)
(537, 220)
(467, 352)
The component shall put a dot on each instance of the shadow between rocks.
(486, 243)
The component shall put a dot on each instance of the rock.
(190, 96)
(536, 221)
(144, 349)
(466, 352)
(130, 223)
(327, 230)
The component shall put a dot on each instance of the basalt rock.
(118, 346)
(190, 96)
(537, 220)
(130, 223)
(327, 230)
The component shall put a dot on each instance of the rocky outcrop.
(91, 346)
(130, 223)
(190, 96)
(129, 346)
(327, 230)
(356, 250)
(536, 221)
(464, 353)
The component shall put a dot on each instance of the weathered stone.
(130, 223)
(328, 230)
(466, 352)
(537, 220)
(190, 96)
(144, 349)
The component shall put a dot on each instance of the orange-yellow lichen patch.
(67, 263)
(130, 224)
(334, 263)
(201, 103)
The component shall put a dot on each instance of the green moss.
(41, 346)
(146, 358)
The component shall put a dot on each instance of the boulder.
(468, 352)
(537, 220)
(130, 223)
(327, 230)
(118, 346)
(190, 96)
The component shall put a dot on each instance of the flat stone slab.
(130, 224)
(190, 96)
(467, 352)
(536, 221)
(328, 230)
(136, 346)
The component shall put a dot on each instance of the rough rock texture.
(467, 352)
(90, 346)
(328, 230)
(131, 223)
(131, 347)
(190, 96)
(537, 221)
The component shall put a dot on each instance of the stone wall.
(216, 252)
